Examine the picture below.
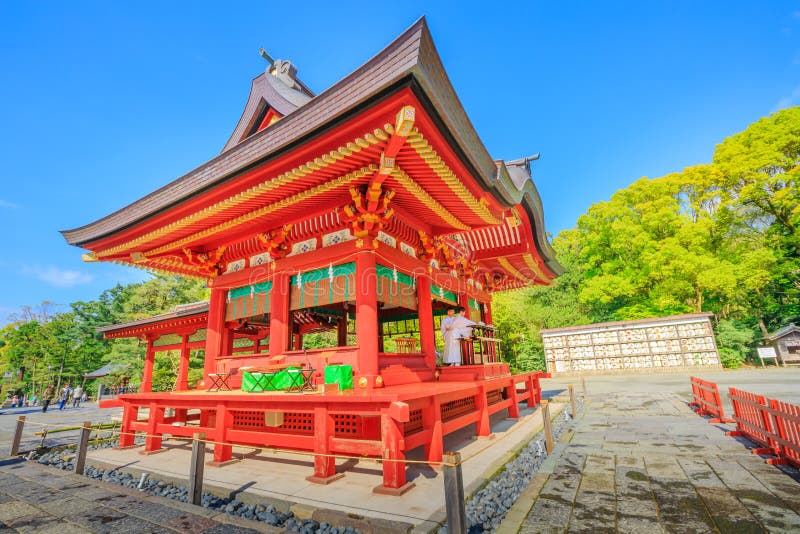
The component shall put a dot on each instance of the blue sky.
(103, 102)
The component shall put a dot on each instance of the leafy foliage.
(720, 237)
(41, 347)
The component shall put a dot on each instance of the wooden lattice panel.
(458, 407)
(347, 425)
(414, 424)
(300, 423)
(493, 397)
(248, 420)
(293, 422)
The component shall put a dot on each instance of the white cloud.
(60, 277)
(789, 101)
(8, 205)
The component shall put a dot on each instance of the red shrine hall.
(357, 215)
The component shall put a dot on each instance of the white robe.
(459, 328)
(447, 321)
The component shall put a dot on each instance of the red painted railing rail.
(707, 400)
(773, 424)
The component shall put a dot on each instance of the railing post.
(583, 386)
(196, 469)
(17, 435)
(83, 445)
(572, 401)
(454, 493)
(548, 429)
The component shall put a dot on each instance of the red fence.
(773, 424)
(707, 400)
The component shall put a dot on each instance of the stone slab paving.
(642, 461)
(35, 498)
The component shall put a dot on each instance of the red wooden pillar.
(324, 464)
(531, 387)
(182, 382)
(224, 421)
(367, 315)
(487, 312)
(279, 314)
(341, 331)
(463, 300)
(129, 415)
(215, 335)
(147, 375)
(394, 466)
(152, 442)
(427, 339)
(482, 426)
(432, 420)
(511, 393)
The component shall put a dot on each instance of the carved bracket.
(275, 242)
(365, 221)
(208, 263)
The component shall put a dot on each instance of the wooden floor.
(402, 392)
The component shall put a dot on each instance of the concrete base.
(157, 451)
(325, 481)
(223, 464)
(396, 492)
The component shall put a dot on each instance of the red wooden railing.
(707, 400)
(773, 424)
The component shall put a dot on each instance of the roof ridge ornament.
(281, 69)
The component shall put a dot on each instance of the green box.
(280, 380)
(250, 382)
(339, 374)
(259, 382)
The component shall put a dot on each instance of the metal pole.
(548, 430)
(83, 445)
(572, 401)
(196, 469)
(454, 493)
(17, 435)
(583, 385)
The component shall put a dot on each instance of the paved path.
(644, 462)
(68, 417)
(34, 498)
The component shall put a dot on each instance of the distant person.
(84, 397)
(76, 397)
(47, 397)
(63, 397)
(33, 400)
(14, 401)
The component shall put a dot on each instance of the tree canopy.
(720, 237)
(41, 346)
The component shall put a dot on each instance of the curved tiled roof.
(412, 56)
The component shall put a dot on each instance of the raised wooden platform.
(385, 422)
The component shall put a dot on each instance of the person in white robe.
(461, 327)
(446, 326)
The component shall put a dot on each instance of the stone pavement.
(69, 417)
(34, 498)
(644, 462)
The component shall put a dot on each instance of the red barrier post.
(707, 400)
